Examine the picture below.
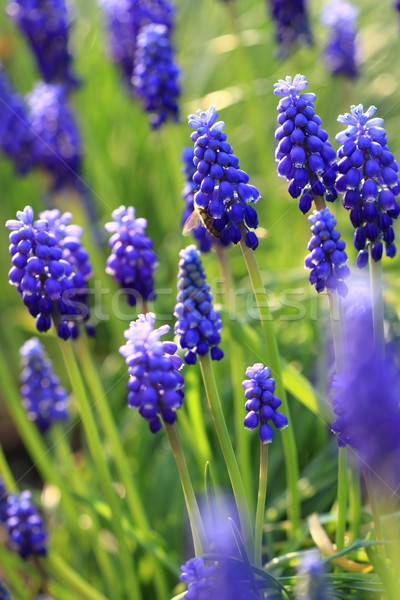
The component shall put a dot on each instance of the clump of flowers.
(291, 24)
(124, 20)
(224, 196)
(327, 258)
(155, 74)
(56, 146)
(15, 134)
(369, 181)
(310, 583)
(47, 270)
(305, 156)
(45, 24)
(132, 262)
(155, 385)
(45, 400)
(198, 323)
(199, 232)
(261, 404)
(340, 50)
(25, 526)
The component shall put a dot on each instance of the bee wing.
(192, 222)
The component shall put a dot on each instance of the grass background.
(228, 58)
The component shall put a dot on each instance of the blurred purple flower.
(291, 24)
(340, 52)
(310, 584)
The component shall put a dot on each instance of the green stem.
(243, 440)
(262, 493)
(133, 498)
(376, 514)
(196, 523)
(341, 498)
(375, 274)
(288, 439)
(97, 453)
(355, 501)
(71, 578)
(227, 449)
(13, 575)
(5, 472)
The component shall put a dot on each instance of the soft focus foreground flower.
(124, 20)
(50, 269)
(45, 24)
(45, 400)
(305, 156)
(132, 262)
(291, 23)
(56, 139)
(155, 385)
(223, 196)
(15, 132)
(25, 526)
(199, 324)
(310, 584)
(4, 595)
(155, 74)
(327, 258)
(369, 181)
(200, 233)
(340, 50)
(261, 404)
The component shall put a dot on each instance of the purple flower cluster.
(199, 324)
(124, 20)
(327, 258)
(223, 194)
(340, 50)
(50, 269)
(132, 262)
(200, 233)
(4, 595)
(25, 526)
(261, 404)
(15, 133)
(199, 579)
(155, 74)
(369, 181)
(56, 146)
(291, 23)
(45, 400)
(155, 385)
(305, 156)
(45, 23)
(310, 584)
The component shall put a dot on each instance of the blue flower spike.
(291, 24)
(340, 52)
(327, 258)
(25, 526)
(155, 385)
(261, 404)
(44, 399)
(224, 195)
(198, 323)
(369, 183)
(132, 262)
(156, 75)
(305, 156)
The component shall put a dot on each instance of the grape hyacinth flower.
(15, 134)
(124, 20)
(25, 526)
(155, 74)
(291, 23)
(261, 404)
(56, 145)
(340, 50)
(198, 323)
(310, 584)
(49, 270)
(305, 156)
(155, 385)
(132, 262)
(199, 579)
(223, 195)
(200, 233)
(369, 181)
(3, 501)
(45, 400)
(45, 24)
(327, 258)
